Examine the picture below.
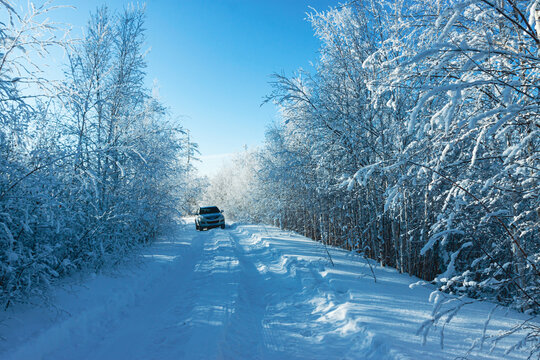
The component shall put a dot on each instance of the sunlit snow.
(246, 292)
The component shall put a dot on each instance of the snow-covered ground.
(246, 292)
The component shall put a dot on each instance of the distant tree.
(231, 188)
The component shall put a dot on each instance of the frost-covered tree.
(415, 142)
(126, 152)
(232, 188)
(25, 97)
(89, 168)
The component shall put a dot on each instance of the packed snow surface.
(246, 292)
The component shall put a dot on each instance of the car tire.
(223, 226)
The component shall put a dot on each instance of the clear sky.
(212, 61)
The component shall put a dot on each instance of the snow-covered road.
(247, 292)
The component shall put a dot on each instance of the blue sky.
(212, 61)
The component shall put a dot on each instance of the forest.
(91, 166)
(415, 142)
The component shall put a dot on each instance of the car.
(209, 217)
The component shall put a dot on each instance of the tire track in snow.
(231, 292)
(215, 295)
(245, 338)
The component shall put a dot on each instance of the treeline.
(415, 141)
(89, 166)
